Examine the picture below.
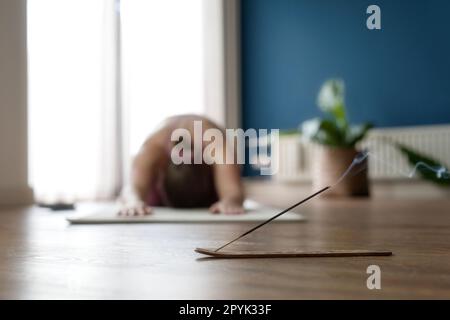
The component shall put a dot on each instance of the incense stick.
(274, 217)
(292, 253)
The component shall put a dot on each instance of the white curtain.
(74, 142)
(95, 93)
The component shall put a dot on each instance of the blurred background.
(83, 83)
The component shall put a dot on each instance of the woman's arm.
(229, 188)
(144, 173)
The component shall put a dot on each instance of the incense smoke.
(359, 160)
(440, 171)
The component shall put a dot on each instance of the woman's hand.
(137, 210)
(227, 207)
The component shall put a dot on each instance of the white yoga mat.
(254, 213)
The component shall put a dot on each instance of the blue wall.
(396, 76)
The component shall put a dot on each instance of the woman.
(158, 181)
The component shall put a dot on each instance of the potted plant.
(338, 141)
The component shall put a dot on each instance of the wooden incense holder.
(291, 254)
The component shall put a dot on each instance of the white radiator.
(386, 161)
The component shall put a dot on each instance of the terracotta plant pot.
(328, 166)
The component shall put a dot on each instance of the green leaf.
(323, 131)
(339, 114)
(429, 169)
(357, 133)
(331, 99)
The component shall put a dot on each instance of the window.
(65, 97)
(89, 111)
(162, 43)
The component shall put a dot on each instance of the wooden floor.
(42, 257)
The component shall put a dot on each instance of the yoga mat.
(254, 212)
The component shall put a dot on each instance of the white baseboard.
(386, 162)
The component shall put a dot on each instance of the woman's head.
(189, 185)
